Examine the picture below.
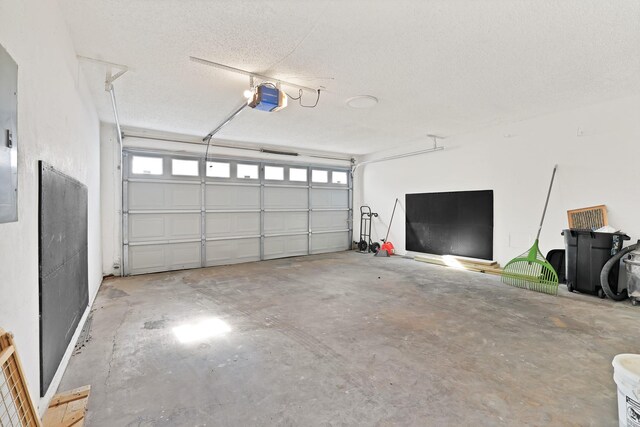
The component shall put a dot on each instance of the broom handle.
(546, 203)
(392, 214)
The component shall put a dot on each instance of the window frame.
(272, 180)
(147, 175)
(327, 171)
(221, 161)
(346, 175)
(182, 159)
(298, 182)
(239, 179)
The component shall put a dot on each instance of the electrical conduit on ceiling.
(435, 147)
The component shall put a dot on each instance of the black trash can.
(586, 253)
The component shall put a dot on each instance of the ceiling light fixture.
(362, 101)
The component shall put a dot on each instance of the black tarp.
(451, 223)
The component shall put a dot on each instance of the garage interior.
(318, 213)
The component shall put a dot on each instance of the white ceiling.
(441, 67)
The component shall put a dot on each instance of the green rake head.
(531, 271)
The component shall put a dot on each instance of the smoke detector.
(362, 101)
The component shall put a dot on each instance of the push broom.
(531, 270)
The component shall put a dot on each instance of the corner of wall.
(110, 195)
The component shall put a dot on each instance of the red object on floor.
(388, 246)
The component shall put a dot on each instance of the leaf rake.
(531, 270)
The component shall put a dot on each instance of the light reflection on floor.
(201, 330)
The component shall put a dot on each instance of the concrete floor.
(349, 339)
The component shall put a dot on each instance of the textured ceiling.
(440, 67)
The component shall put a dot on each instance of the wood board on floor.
(489, 267)
(67, 409)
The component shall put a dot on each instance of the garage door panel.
(228, 224)
(329, 220)
(222, 252)
(146, 227)
(145, 195)
(233, 197)
(152, 258)
(150, 227)
(329, 198)
(329, 242)
(162, 195)
(285, 222)
(285, 246)
(185, 196)
(146, 258)
(182, 255)
(285, 198)
(184, 226)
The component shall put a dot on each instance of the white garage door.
(182, 213)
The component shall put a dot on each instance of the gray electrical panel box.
(8, 139)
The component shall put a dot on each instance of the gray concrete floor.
(349, 339)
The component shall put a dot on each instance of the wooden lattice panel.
(16, 406)
(590, 218)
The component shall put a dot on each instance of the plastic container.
(556, 257)
(632, 264)
(626, 374)
(586, 253)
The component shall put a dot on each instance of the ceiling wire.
(299, 98)
(295, 99)
(309, 106)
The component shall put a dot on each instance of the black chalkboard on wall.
(64, 291)
(451, 223)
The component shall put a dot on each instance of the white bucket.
(626, 374)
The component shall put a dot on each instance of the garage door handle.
(8, 138)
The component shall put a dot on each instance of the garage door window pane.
(274, 173)
(319, 176)
(338, 177)
(247, 171)
(218, 170)
(184, 167)
(146, 165)
(298, 175)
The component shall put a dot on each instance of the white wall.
(597, 149)
(57, 123)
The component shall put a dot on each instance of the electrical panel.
(8, 139)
